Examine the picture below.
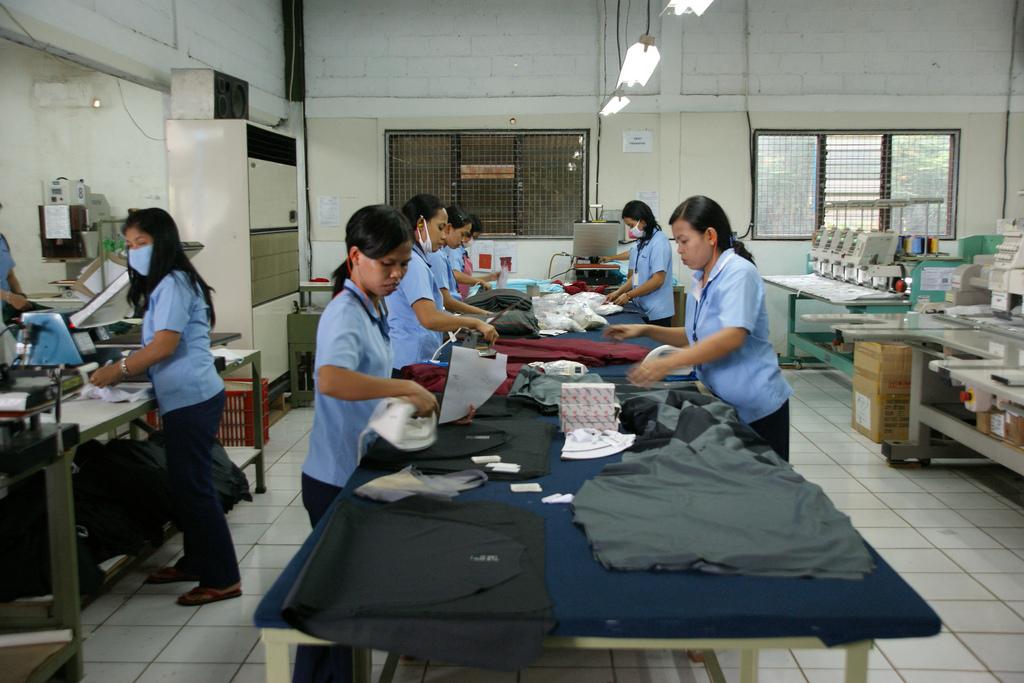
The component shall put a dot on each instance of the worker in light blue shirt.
(190, 397)
(726, 332)
(649, 280)
(352, 375)
(10, 288)
(416, 311)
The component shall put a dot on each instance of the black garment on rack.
(371, 582)
(455, 446)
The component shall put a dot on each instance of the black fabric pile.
(499, 299)
(706, 493)
(492, 610)
(456, 444)
(122, 501)
(511, 324)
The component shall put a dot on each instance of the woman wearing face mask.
(442, 269)
(726, 333)
(416, 309)
(649, 281)
(457, 236)
(190, 396)
(353, 374)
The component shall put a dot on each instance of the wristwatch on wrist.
(124, 367)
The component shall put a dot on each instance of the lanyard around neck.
(704, 293)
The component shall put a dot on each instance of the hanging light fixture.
(689, 6)
(641, 58)
(615, 104)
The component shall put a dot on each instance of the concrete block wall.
(142, 40)
(482, 51)
(457, 49)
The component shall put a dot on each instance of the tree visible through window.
(529, 183)
(805, 181)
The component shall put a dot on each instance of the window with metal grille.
(870, 180)
(525, 184)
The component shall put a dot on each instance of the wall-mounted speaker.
(208, 94)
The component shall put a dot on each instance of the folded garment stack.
(589, 406)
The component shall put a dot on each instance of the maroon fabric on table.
(431, 377)
(591, 353)
(521, 351)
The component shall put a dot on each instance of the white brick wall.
(148, 38)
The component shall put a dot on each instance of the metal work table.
(939, 343)
(856, 299)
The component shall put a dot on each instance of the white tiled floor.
(954, 531)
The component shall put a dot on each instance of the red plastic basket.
(237, 426)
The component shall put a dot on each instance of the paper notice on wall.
(637, 141)
(650, 198)
(483, 255)
(505, 253)
(328, 212)
(58, 221)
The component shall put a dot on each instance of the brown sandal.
(169, 575)
(202, 596)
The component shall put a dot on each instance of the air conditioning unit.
(205, 94)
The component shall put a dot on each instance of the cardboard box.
(587, 393)
(1001, 425)
(597, 416)
(888, 364)
(880, 417)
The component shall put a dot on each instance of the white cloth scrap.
(588, 444)
(557, 499)
(229, 356)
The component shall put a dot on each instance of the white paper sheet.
(483, 255)
(505, 254)
(328, 212)
(471, 381)
(58, 221)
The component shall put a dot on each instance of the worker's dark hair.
(458, 216)
(426, 205)
(377, 231)
(167, 256)
(702, 213)
(478, 226)
(639, 211)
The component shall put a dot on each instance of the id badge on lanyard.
(703, 297)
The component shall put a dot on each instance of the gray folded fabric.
(412, 482)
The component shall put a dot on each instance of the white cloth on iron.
(589, 444)
(411, 482)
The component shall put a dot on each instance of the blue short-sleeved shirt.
(351, 335)
(413, 343)
(6, 263)
(188, 376)
(653, 257)
(441, 267)
(748, 378)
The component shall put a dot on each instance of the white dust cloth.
(229, 356)
(115, 395)
(588, 444)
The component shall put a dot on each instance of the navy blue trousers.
(774, 429)
(189, 434)
(313, 663)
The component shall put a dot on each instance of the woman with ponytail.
(726, 333)
(649, 281)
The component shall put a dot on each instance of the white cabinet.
(233, 186)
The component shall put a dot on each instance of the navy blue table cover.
(593, 601)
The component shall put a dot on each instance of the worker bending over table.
(726, 332)
(457, 234)
(189, 394)
(416, 310)
(352, 374)
(648, 282)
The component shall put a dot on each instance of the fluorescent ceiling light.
(641, 58)
(614, 105)
(691, 6)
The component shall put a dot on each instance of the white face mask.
(636, 232)
(426, 244)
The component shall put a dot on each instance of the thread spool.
(906, 242)
(933, 245)
(917, 245)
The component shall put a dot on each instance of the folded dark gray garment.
(495, 300)
(411, 482)
(546, 390)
